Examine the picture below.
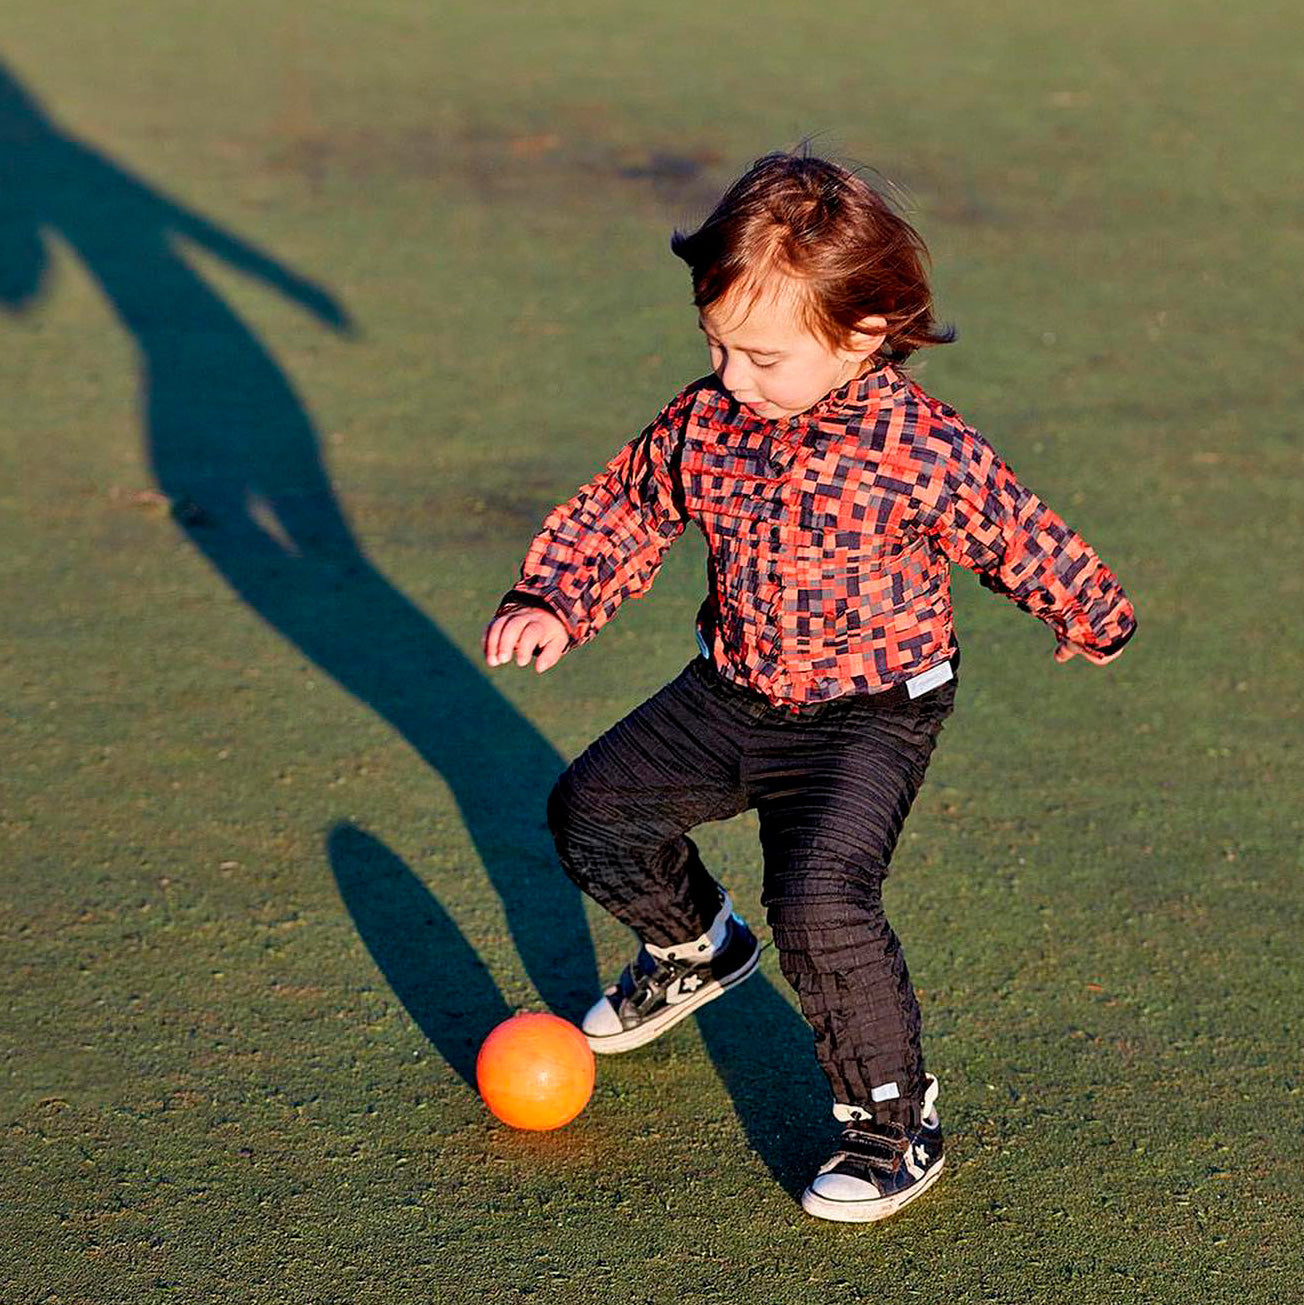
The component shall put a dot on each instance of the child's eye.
(762, 367)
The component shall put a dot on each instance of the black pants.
(832, 785)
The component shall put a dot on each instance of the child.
(833, 494)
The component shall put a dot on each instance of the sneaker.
(877, 1168)
(663, 985)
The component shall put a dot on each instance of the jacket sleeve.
(606, 544)
(983, 519)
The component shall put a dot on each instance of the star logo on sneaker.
(916, 1161)
(683, 988)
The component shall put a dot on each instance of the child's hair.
(822, 224)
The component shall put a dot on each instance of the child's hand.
(523, 631)
(1070, 648)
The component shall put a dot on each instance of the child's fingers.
(543, 638)
(551, 652)
(495, 630)
(493, 639)
(504, 634)
(489, 643)
(1067, 651)
(520, 635)
(529, 641)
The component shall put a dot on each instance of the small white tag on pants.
(886, 1092)
(930, 679)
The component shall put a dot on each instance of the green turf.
(361, 291)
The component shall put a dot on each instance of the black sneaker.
(877, 1168)
(663, 985)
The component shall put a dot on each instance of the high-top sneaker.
(877, 1168)
(663, 985)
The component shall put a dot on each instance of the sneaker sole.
(668, 1018)
(868, 1211)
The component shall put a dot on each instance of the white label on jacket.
(930, 679)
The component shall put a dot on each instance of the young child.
(833, 494)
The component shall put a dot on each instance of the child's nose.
(732, 372)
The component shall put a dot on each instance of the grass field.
(311, 312)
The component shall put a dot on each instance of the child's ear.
(868, 336)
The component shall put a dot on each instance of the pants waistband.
(896, 696)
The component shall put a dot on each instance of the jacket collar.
(857, 397)
(868, 390)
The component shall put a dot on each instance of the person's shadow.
(235, 452)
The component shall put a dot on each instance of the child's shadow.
(235, 451)
(760, 1047)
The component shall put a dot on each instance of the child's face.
(769, 359)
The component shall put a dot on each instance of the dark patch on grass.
(462, 516)
(502, 167)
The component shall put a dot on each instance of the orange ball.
(535, 1071)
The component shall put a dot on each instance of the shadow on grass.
(764, 1053)
(419, 949)
(232, 446)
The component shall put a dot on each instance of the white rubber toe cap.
(843, 1187)
(602, 1020)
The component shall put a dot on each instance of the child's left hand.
(1070, 649)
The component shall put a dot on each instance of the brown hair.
(826, 226)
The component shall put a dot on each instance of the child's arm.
(982, 518)
(603, 546)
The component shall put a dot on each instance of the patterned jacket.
(829, 538)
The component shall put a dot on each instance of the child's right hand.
(522, 632)
(1071, 648)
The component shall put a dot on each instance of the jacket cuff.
(1109, 649)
